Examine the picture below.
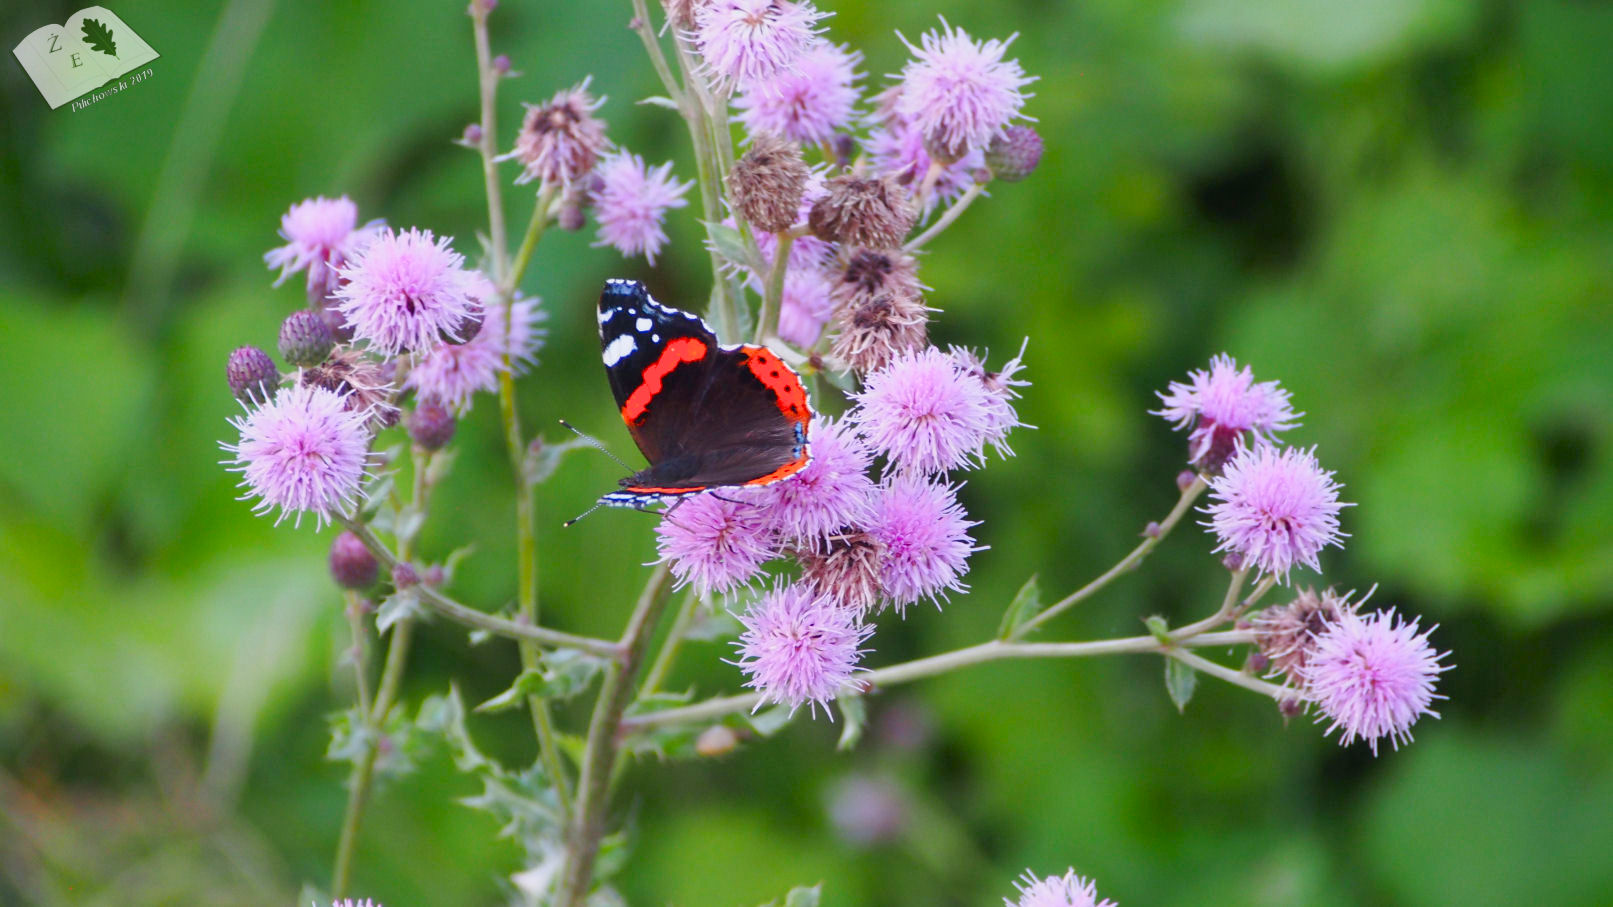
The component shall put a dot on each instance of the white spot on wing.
(643, 324)
(619, 348)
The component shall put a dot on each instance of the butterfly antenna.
(569, 523)
(597, 445)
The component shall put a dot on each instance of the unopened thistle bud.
(305, 338)
(431, 425)
(1014, 154)
(767, 183)
(501, 64)
(351, 563)
(873, 332)
(472, 136)
(864, 210)
(404, 576)
(252, 375)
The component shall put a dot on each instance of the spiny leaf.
(99, 38)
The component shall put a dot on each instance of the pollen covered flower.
(799, 648)
(808, 101)
(925, 413)
(320, 233)
(959, 93)
(406, 290)
(303, 452)
(1373, 676)
(925, 535)
(831, 493)
(715, 545)
(747, 41)
(630, 203)
(560, 141)
(1223, 405)
(1068, 890)
(1276, 509)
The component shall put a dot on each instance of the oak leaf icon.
(99, 38)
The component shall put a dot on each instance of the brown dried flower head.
(869, 273)
(364, 383)
(1287, 633)
(767, 183)
(872, 332)
(561, 141)
(865, 211)
(846, 571)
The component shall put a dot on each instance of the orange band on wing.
(781, 380)
(647, 489)
(788, 469)
(679, 351)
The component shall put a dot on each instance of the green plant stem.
(952, 213)
(652, 46)
(664, 659)
(481, 620)
(773, 294)
(995, 650)
(542, 213)
(604, 743)
(1126, 564)
(1230, 608)
(355, 623)
(487, 83)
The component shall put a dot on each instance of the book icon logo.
(91, 49)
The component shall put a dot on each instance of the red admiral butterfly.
(703, 414)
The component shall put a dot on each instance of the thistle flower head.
(925, 413)
(252, 374)
(405, 290)
(873, 331)
(897, 150)
(1014, 155)
(352, 565)
(631, 201)
(363, 384)
(1224, 405)
(865, 211)
(799, 648)
(715, 545)
(831, 493)
(846, 569)
(305, 338)
(1001, 417)
(1068, 890)
(960, 93)
(451, 373)
(743, 42)
(925, 535)
(302, 452)
(767, 183)
(431, 425)
(560, 141)
(320, 234)
(1286, 634)
(1275, 509)
(808, 101)
(870, 273)
(1373, 676)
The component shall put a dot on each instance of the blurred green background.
(1402, 209)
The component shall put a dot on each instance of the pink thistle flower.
(806, 306)
(1373, 676)
(831, 493)
(748, 41)
(303, 452)
(517, 331)
(1001, 418)
(1276, 509)
(925, 413)
(897, 150)
(320, 233)
(453, 372)
(1068, 890)
(406, 290)
(715, 545)
(560, 141)
(925, 534)
(1223, 404)
(799, 648)
(807, 101)
(631, 202)
(354, 902)
(960, 94)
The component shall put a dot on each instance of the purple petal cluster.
(808, 101)
(960, 93)
(799, 648)
(897, 150)
(925, 534)
(715, 545)
(743, 42)
(806, 306)
(1223, 405)
(631, 201)
(830, 494)
(925, 412)
(303, 452)
(1373, 676)
(1275, 508)
(321, 234)
(560, 141)
(1068, 890)
(406, 290)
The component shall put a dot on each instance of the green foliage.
(1027, 604)
(99, 37)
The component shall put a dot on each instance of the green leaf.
(1027, 604)
(99, 38)
(804, 897)
(543, 458)
(717, 626)
(771, 721)
(727, 242)
(396, 607)
(1157, 627)
(444, 714)
(564, 674)
(1180, 682)
(855, 711)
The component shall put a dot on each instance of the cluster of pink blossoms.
(391, 313)
(1068, 890)
(1275, 508)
